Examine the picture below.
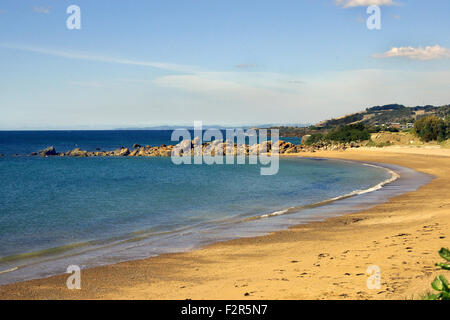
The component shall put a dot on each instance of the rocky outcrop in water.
(206, 148)
(50, 151)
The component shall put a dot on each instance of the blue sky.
(144, 62)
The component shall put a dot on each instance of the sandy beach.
(319, 260)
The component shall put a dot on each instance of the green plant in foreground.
(444, 253)
(441, 283)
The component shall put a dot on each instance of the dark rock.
(50, 151)
(136, 146)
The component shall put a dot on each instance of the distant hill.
(220, 127)
(387, 114)
(383, 116)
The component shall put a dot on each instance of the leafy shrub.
(444, 253)
(431, 128)
(314, 138)
(375, 129)
(349, 133)
(392, 129)
(441, 283)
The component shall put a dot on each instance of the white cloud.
(420, 53)
(44, 10)
(363, 3)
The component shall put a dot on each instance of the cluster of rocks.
(197, 148)
(138, 151)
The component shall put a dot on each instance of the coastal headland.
(317, 260)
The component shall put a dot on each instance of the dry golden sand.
(319, 260)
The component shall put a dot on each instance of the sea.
(59, 211)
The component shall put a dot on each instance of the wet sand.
(318, 260)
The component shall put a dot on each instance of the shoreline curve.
(322, 251)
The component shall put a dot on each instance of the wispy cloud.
(278, 97)
(100, 58)
(120, 82)
(363, 3)
(215, 82)
(246, 66)
(420, 53)
(190, 78)
(43, 10)
(193, 93)
(89, 84)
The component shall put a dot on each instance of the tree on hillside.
(315, 138)
(348, 133)
(431, 128)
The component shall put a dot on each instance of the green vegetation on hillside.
(315, 138)
(390, 118)
(342, 134)
(349, 133)
(432, 128)
(343, 121)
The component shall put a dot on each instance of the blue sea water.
(56, 212)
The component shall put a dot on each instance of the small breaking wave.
(276, 213)
(9, 270)
(394, 176)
